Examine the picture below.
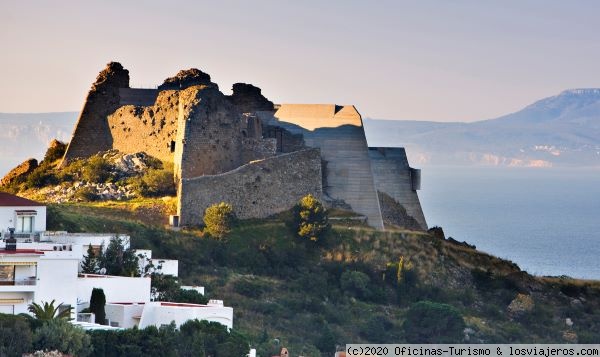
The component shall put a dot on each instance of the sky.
(422, 60)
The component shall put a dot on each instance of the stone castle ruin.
(244, 150)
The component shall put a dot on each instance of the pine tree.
(97, 303)
(89, 265)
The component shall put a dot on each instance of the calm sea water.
(545, 220)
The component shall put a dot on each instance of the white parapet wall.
(116, 288)
(163, 313)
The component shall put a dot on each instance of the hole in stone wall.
(172, 146)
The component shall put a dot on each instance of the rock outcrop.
(186, 78)
(19, 172)
(248, 98)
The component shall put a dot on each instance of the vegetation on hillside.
(360, 285)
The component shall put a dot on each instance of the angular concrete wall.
(256, 190)
(339, 133)
(392, 175)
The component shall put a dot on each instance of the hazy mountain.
(563, 130)
(28, 135)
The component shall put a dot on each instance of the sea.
(547, 221)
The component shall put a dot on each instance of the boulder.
(20, 172)
(520, 305)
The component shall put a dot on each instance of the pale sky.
(422, 60)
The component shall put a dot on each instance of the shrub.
(40, 177)
(15, 335)
(430, 322)
(310, 219)
(62, 336)
(97, 169)
(156, 182)
(219, 219)
(55, 151)
(86, 194)
(355, 282)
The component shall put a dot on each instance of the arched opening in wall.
(172, 146)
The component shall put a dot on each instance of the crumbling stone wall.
(255, 190)
(151, 129)
(92, 134)
(209, 133)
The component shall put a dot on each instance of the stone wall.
(151, 129)
(256, 190)
(344, 148)
(209, 133)
(91, 134)
(392, 175)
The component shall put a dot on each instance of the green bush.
(219, 219)
(156, 183)
(55, 151)
(431, 322)
(62, 336)
(97, 169)
(40, 177)
(86, 194)
(355, 283)
(310, 219)
(15, 335)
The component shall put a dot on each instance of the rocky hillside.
(106, 176)
(356, 284)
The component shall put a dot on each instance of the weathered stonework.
(92, 134)
(244, 150)
(255, 190)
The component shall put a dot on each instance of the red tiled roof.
(6, 199)
(21, 251)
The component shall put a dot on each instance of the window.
(7, 274)
(25, 224)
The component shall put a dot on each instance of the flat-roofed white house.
(39, 266)
(27, 217)
(34, 275)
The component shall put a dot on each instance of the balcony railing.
(22, 281)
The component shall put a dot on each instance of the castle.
(244, 150)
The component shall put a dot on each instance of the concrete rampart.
(392, 175)
(256, 190)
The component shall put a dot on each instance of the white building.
(34, 275)
(26, 216)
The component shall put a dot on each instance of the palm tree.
(48, 311)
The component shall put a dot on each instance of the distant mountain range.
(27, 135)
(563, 130)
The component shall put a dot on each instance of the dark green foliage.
(119, 261)
(327, 340)
(219, 219)
(310, 219)
(97, 305)
(431, 322)
(168, 288)
(194, 338)
(90, 264)
(86, 194)
(62, 336)
(378, 329)
(251, 287)
(155, 183)
(97, 169)
(55, 151)
(355, 283)
(15, 336)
